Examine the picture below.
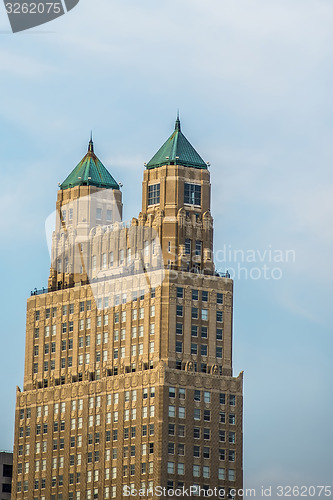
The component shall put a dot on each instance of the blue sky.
(253, 82)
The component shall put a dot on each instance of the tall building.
(128, 380)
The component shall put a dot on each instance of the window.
(222, 417)
(194, 331)
(180, 292)
(171, 468)
(179, 347)
(181, 393)
(206, 433)
(219, 298)
(206, 452)
(153, 194)
(181, 412)
(179, 329)
(219, 352)
(179, 310)
(222, 436)
(232, 437)
(204, 332)
(194, 348)
(196, 451)
(221, 454)
(207, 415)
(207, 397)
(231, 475)
(219, 334)
(172, 392)
(192, 194)
(181, 468)
(98, 213)
(171, 429)
(221, 474)
(205, 471)
(222, 398)
(232, 455)
(198, 247)
(219, 316)
(109, 215)
(197, 413)
(232, 400)
(204, 296)
(194, 313)
(172, 411)
(204, 349)
(204, 314)
(196, 470)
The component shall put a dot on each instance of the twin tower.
(128, 383)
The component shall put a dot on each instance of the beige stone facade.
(128, 368)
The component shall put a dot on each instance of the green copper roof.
(90, 172)
(177, 151)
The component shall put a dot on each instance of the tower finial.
(91, 144)
(177, 126)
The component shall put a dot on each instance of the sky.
(252, 80)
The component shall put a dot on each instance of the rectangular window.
(194, 348)
(198, 247)
(179, 347)
(219, 316)
(204, 332)
(204, 314)
(153, 194)
(179, 311)
(187, 246)
(194, 313)
(207, 397)
(192, 194)
(219, 352)
(204, 296)
(204, 349)
(180, 292)
(219, 334)
(194, 331)
(179, 329)
(195, 294)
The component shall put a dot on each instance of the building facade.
(128, 384)
(6, 473)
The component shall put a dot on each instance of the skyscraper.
(128, 379)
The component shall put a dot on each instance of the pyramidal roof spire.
(91, 144)
(177, 150)
(90, 172)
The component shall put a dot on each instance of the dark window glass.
(192, 194)
(153, 194)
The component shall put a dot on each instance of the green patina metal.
(90, 172)
(177, 151)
